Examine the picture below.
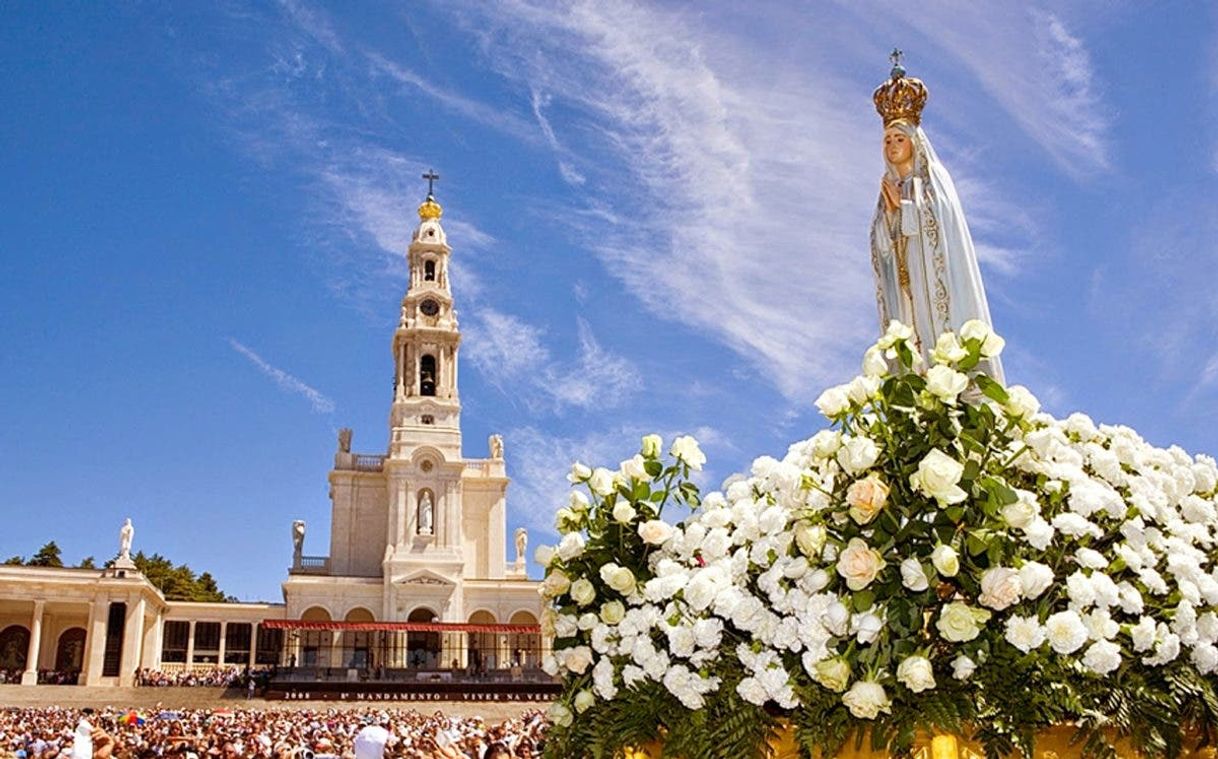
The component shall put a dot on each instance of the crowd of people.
(219, 677)
(48, 733)
(45, 676)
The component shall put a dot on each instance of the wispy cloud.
(569, 173)
(286, 382)
(476, 110)
(510, 353)
(720, 194)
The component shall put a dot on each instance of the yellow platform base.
(1050, 744)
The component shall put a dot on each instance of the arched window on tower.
(429, 271)
(427, 375)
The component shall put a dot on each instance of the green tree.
(87, 563)
(47, 556)
(14, 561)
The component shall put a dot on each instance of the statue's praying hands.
(891, 194)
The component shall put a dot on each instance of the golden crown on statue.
(901, 98)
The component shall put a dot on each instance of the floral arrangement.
(944, 557)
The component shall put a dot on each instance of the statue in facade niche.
(298, 533)
(522, 543)
(125, 536)
(426, 517)
(344, 440)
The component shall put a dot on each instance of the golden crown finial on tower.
(901, 98)
(430, 208)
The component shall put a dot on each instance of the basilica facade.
(417, 574)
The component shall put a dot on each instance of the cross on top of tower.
(431, 176)
(430, 208)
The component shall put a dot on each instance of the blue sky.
(659, 218)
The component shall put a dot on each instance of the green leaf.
(653, 467)
(863, 600)
(992, 389)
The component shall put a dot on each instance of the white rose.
(651, 446)
(613, 612)
(601, 481)
(866, 497)
(619, 578)
(577, 501)
(945, 560)
(559, 714)
(896, 332)
(576, 659)
(836, 618)
(578, 473)
(866, 699)
(1066, 631)
(862, 389)
(948, 350)
(916, 673)
(826, 443)
(1021, 513)
(833, 673)
(1035, 578)
(833, 402)
(938, 476)
(1021, 403)
(959, 622)
(623, 512)
(584, 701)
(632, 468)
(1000, 587)
(874, 363)
(859, 564)
(655, 531)
(858, 454)
(555, 584)
(1102, 657)
(945, 383)
(686, 449)
(991, 343)
(913, 576)
(544, 555)
(1025, 633)
(567, 520)
(963, 667)
(867, 627)
(571, 545)
(810, 538)
(582, 592)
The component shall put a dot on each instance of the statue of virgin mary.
(926, 273)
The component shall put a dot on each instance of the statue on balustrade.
(298, 535)
(125, 536)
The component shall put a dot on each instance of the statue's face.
(898, 148)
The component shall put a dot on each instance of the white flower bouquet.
(944, 557)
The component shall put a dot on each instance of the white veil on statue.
(941, 288)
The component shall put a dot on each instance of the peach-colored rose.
(859, 564)
(866, 497)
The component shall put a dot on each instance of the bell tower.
(426, 406)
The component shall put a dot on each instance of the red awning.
(436, 627)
